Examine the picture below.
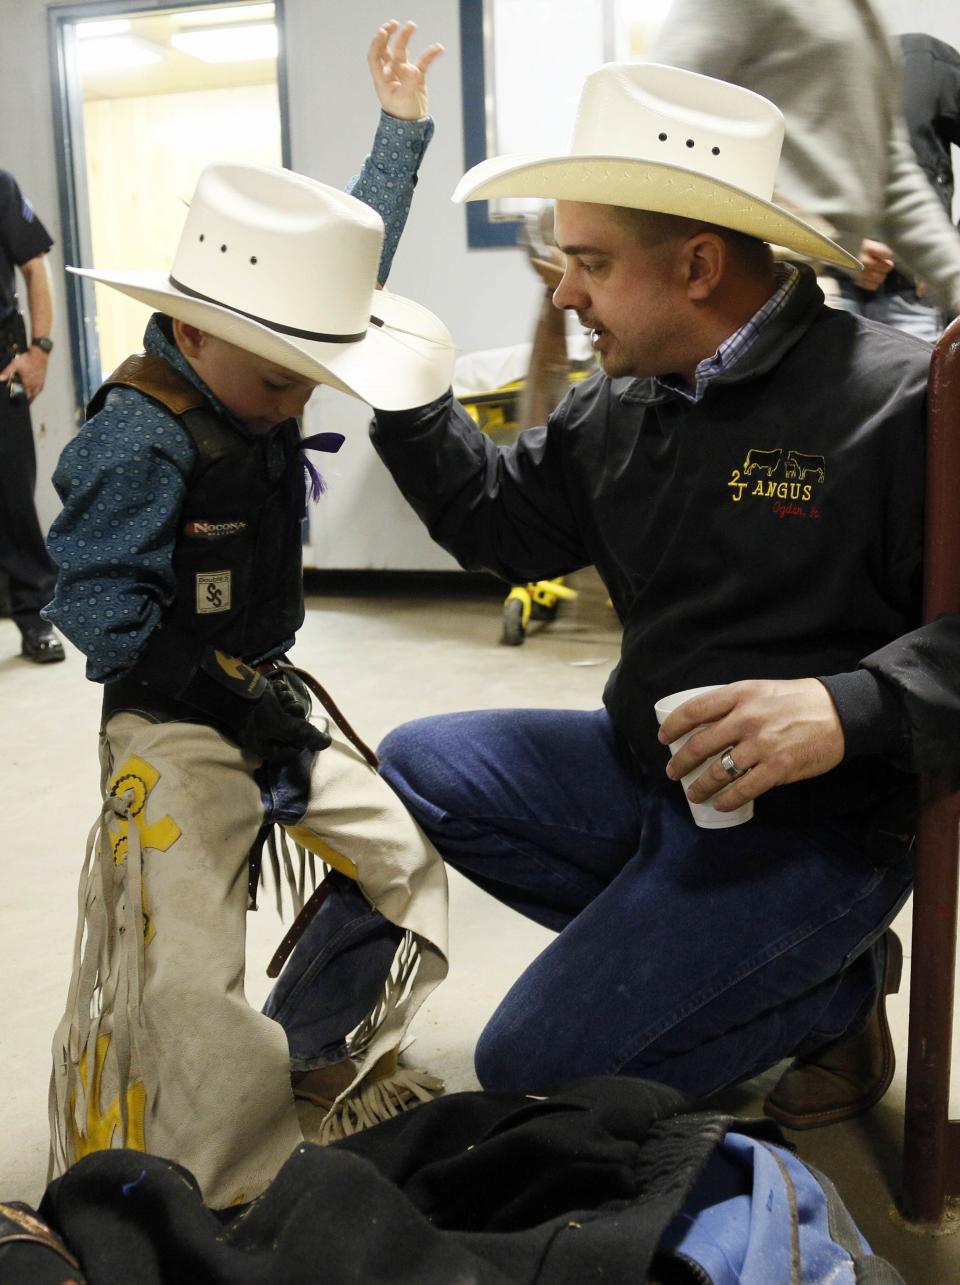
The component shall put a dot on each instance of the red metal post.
(930, 1165)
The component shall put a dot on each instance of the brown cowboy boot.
(848, 1076)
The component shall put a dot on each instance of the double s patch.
(213, 591)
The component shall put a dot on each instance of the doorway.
(146, 98)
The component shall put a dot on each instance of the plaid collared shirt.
(740, 342)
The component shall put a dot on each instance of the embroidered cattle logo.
(799, 465)
(766, 461)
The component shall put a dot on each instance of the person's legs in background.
(23, 554)
(905, 310)
(902, 309)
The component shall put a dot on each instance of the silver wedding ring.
(728, 765)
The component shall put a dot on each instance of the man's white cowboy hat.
(286, 268)
(660, 138)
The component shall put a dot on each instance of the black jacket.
(771, 530)
(931, 107)
(476, 1187)
(237, 557)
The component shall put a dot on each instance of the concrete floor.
(386, 656)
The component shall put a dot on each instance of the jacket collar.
(776, 338)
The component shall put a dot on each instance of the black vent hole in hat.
(662, 138)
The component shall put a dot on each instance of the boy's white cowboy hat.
(661, 138)
(286, 268)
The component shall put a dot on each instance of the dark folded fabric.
(479, 1187)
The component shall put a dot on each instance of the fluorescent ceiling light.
(108, 27)
(115, 53)
(646, 12)
(224, 13)
(228, 44)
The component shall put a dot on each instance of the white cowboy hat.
(664, 139)
(286, 268)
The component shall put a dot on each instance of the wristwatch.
(43, 343)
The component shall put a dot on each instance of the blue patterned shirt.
(123, 478)
(389, 176)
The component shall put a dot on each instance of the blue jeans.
(694, 957)
(333, 977)
(901, 309)
(336, 971)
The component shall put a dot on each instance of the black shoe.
(41, 644)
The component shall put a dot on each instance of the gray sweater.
(833, 70)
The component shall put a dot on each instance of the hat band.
(318, 336)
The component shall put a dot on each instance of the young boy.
(180, 578)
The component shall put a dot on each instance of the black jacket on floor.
(476, 1187)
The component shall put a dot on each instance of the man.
(24, 243)
(746, 475)
(833, 70)
(931, 109)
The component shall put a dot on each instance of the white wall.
(486, 297)
(940, 18)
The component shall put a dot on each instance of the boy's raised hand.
(401, 85)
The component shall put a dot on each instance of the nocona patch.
(204, 529)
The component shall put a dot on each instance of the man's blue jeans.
(694, 957)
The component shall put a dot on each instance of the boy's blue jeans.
(694, 957)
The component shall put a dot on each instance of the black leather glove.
(270, 732)
(292, 692)
(249, 706)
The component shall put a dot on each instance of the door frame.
(71, 160)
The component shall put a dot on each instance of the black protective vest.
(237, 558)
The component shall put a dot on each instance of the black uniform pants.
(23, 553)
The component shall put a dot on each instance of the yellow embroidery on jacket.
(137, 778)
(101, 1126)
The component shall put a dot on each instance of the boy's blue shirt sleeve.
(389, 175)
(122, 481)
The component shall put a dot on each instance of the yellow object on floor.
(537, 600)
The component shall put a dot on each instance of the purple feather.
(313, 484)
